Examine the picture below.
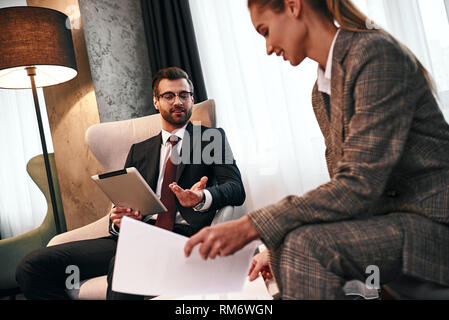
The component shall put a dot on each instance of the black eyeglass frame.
(175, 94)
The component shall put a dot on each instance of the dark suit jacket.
(387, 152)
(224, 179)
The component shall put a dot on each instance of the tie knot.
(174, 140)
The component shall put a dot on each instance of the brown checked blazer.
(387, 152)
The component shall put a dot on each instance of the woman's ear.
(294, 7)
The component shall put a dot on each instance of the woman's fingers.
(205, 248)
(197, 238)
(252, 266)
(260, 264)
(215, 250)
(255, 273)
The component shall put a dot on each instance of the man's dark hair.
(172, 73)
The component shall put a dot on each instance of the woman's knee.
(309, 243)
(303, 239)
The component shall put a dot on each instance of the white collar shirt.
(324, 76)
(165, 154)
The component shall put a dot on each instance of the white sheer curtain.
(265, 105)
(262, 102)
(22, 204)
(422, 25)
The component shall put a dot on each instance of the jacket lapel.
(329, 111)
(337, 98)
(187, 144)
(336, 111)
(320, 103)
(153, 155)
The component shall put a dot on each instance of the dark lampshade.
(35, 37)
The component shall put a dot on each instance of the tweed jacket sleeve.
(381, 78)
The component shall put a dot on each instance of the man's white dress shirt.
(166, 151)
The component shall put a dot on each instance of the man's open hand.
(191, 197)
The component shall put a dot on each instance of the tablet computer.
(128, 189)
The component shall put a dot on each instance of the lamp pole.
(32, 73)
(446, 3)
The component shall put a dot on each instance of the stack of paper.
(150, 261)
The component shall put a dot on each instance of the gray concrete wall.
(118, 58)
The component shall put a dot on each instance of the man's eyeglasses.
(170, 96)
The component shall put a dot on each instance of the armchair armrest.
(227, 213)
(99, 228)
(96, 229)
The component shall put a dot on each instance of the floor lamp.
(36, 50)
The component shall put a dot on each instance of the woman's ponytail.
(346, 14)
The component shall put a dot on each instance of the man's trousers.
(44, 273)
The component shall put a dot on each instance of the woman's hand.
(260, 264)
(116, 215)
(222, 239)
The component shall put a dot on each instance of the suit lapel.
(329, 111)
(320, 103)
(153, 155)
(187, 144)
(337, 98)
(336, 111)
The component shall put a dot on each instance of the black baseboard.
(11, 293)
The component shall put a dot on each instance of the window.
(265, 105)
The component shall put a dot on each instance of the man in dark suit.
(192, 177)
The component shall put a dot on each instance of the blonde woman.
(387, 152)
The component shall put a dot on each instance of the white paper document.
(150, 261)
(252, 290)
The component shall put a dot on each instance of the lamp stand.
(32, 73)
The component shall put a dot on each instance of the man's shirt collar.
(178, 132)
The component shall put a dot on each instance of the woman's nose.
(269, 49)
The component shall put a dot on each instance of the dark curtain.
(171, 40)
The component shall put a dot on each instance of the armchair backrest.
(110, 141)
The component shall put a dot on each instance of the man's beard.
(171, 118)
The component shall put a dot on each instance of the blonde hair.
(348, 17)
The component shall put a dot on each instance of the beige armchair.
(110, 144)
(13, 250)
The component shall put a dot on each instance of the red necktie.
(166, 220)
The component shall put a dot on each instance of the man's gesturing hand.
(191, 197)
(222, 239)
